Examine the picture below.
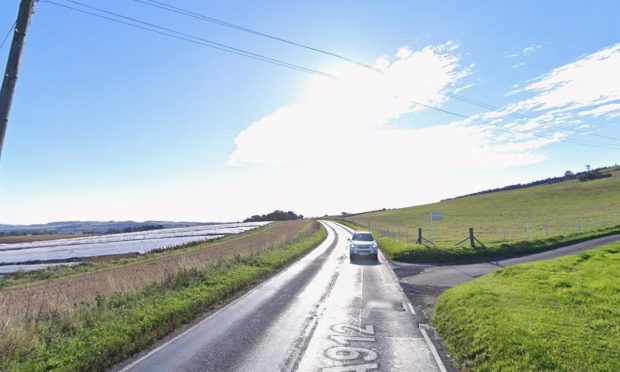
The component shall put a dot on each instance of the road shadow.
(365, 262)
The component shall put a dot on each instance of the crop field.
(37, 238)
(106, 327)
(32, 300)
(560, 315)
(537, 212)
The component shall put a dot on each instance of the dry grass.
(39, 300)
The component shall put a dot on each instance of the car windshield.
(364, 237)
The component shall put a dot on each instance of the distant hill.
(568, 175)
(91, 227)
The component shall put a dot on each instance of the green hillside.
(536, 213)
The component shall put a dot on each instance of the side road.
(424, 283)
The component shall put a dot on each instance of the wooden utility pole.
(12, 66)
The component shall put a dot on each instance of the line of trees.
(276, 215)
(587, 175)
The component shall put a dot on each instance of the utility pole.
(26, 8)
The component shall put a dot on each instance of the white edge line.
(135, 362)
(411, 307)
(440, 364)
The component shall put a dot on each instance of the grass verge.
(562, 314)
(451, 254)
(95, 336)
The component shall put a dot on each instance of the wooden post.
(472, 242)
(527, 231)
(12, 66)
(419, 241)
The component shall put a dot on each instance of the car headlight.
(374, 245)
(352, 245)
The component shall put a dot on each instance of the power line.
(7, 35)
(606, 137)
(484, 105)
(522, 116)
(598, 145)
(189, 13)
(201, 41)
(183, 36)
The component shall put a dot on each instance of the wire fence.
(489, 230)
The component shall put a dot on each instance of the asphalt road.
(424, 283)
(322, 313)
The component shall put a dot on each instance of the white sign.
(436, 216)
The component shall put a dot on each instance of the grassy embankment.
(98, 334)
(562, 314)
(534, 219)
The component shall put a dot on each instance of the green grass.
(562, 314)
(533, 219)
(96, 336)
(452, 254)
(548, 210)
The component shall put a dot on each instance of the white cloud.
(589, 81)
(346, 145)
(567, 98)
(610, 111)
(530, 50)
(518, 65)
(358, 101)
(524, 52)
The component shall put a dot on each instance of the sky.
(111, 122)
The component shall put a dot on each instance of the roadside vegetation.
(562, 314)
(95, 335)
(507, 223)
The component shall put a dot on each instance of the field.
(546, 210)
(37, 238)
(562, 314)
(94, 335)
(29, 297)
(544, 216)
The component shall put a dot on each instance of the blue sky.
(110, 122)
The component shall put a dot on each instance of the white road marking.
(410, 307)
(428, 340)
(234, 302)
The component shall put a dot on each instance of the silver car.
(362, 243)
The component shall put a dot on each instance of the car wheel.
(351, 257)
(375, 256)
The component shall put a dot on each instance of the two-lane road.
(322, 313)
